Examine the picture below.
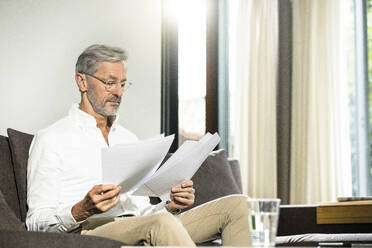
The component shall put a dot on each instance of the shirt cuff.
(174, 212)
(66, 219)
(160, 207)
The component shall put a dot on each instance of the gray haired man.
(64, 185)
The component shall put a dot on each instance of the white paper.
(178, 168)
(129, 165)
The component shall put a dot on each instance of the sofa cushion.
(8, 220)
(214, 179)
(19, 144)
(8, 185)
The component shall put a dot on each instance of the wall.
(41, 40)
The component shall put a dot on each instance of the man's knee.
(234, 205)
(234, 200)
(168, 230)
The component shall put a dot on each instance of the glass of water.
(263, 220)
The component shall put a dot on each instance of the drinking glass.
(263, 220)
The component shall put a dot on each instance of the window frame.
(169, 72)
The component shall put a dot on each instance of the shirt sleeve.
(154, 209)
(45, 212)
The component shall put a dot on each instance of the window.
(359, 35)
(189, 69)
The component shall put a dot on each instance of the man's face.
(106, 102)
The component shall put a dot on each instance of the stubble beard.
(99, 107)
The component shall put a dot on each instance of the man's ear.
(81, 81)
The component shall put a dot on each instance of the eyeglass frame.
(108, 85)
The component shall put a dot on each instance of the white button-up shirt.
(64, 164)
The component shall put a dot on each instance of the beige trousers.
(225, 217)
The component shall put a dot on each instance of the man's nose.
(117, 90)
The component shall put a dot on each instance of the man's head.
(101, 77)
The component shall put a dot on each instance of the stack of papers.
(128, 165)
(134, 166)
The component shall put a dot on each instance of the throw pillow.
(8, 220)
(19, 144)
(214, 179)
(235, 168)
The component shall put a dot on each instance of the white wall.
(41, 40)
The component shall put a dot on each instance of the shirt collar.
(84, 119)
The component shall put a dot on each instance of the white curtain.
(320, 148)
(254, 104)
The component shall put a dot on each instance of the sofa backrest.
(8, 186)
(235, 169)
(19, 145)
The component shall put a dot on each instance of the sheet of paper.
(183, 166)
(185, 148)
(129, 165)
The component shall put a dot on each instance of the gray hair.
(88, 61)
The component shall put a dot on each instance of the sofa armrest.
(28, 239)
(301, 219)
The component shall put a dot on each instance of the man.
(65, 193)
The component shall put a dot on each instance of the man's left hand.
(182, 196)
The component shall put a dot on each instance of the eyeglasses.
(110, 85)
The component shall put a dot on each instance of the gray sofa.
(217, 177)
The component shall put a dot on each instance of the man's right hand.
(99, 199)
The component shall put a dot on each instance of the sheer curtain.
(320, 147)
(254, 103)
